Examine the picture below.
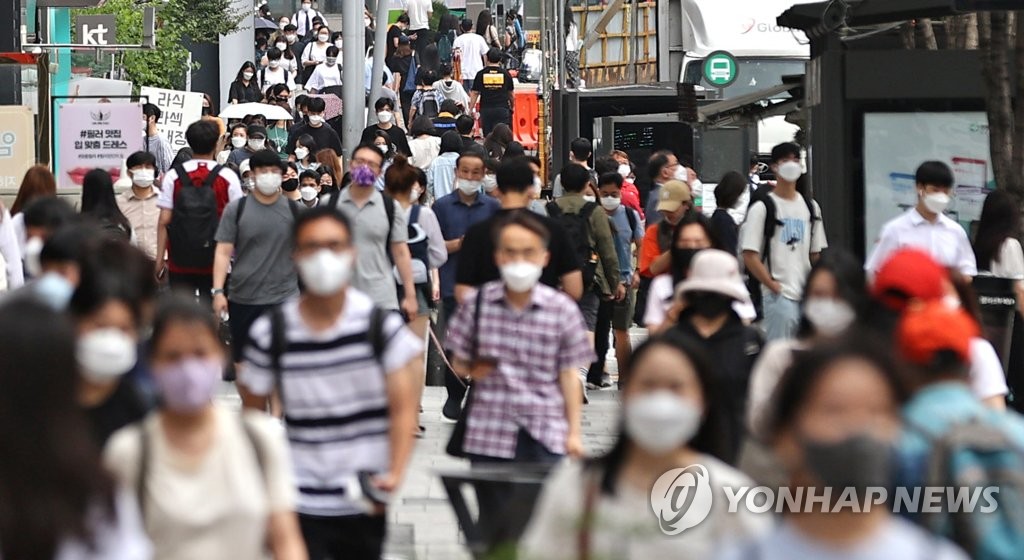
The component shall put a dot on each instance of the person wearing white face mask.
(288, 59)
(255, 233)
(385, 109)
(488, 339)
(302, 350)
(835, 300)
(315, 52)
(327, 74)
(926, 227)
(303, 19)
(276, 71)
(670, 420)
(309, 188)
(322, 133)
(255, 140)
(781, 238)
(138, 203)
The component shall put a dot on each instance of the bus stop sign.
(720, 69)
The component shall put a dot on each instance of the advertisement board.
(17, 144)
(95, 135)
(895, 144)
(178, 109)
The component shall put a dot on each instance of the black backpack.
(114, 230)
(194, 220)
(428, 105)
(418, 245)
(577, 226)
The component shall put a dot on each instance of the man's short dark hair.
(290, 27)
(151, 110)
(574, 177)
(265, 158)
(332, 51)
(524, 219)
(450, 107)
(464, 124)
(274, 53)
(494, 55)
(310, 174)
(514, 176)
(466, 24)
(49, 212)
(581, 149)
(935, 173)
(610, 178)
(373, 148)
(471, 154)
(316, 105)
(785, 150)
(141, 157)
(445, 69)
(606, 164)
(730, 189)
(319, 213)
(301, 101)
(403, 18)
(202, 136)
(384, 103)
(657, 162)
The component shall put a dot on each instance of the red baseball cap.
(928, 328)
(907, 275)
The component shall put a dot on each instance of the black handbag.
(457, 440)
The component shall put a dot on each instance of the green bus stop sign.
(720, 69)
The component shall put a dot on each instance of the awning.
(752, 107)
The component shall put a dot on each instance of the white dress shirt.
(944, 240)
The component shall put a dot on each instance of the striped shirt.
(532, 347)
(334, 396)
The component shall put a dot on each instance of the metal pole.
(380, 49)
(542, 125)
(559, 37)
(354, 70)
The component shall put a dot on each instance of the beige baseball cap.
(672, 195)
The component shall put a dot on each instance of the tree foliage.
(178, 21)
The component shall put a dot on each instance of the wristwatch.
(214, 292)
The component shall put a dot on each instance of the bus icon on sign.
(720, 69)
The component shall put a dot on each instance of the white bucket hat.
(715, 271)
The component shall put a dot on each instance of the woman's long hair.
(498, 140)
(1000, 219)
(51, 479)
(483, 22)
(37, 183)
(99, 202)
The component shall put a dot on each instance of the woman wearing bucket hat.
(709, 292)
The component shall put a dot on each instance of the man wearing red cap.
(926, 227)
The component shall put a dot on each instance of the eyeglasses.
(371, 164)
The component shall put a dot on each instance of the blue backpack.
(972, 455)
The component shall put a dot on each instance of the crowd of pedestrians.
(255, 257)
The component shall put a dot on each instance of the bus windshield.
(754, 75)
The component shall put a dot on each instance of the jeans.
(356, 537)
(781, 316)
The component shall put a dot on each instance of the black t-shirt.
(243, 93)
(393, 33)
(400, 65)
(324, 136)
(493, 85)
(123, 407)
(395, 132)
(476, 263)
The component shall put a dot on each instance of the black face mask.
(708, 305)
(289, 185)
(681, 259)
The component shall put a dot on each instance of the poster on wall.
(96, 135)
(896, 143)
(17, 144)
(178, 109)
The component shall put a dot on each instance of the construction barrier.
(526, 120)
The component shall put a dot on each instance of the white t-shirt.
(124, 539)
(775, 359)
(793, 242)
(314, 51)
(166, 198)
(897, 539)
(662, 292)
(1011, 261)
(625, 527)
(270, 77)
(216, 506)
(987, 376)
(324, 76)
(473, 48)
(419, 13)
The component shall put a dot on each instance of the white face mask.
(521, 276)
(625, 170)
(291, 38)
(490, 183)
(936, 202)
(274, 64)
(256, 144)
(33, 247)
(308, 193)
(55, 290)
(661, 422)
(306, 7)
(325, 272)
(468, 187)
(789, 171)
(611, 203)
(247, 75)
(316, 120)
(331, 61)
(681, 174)
(143, 178)
(281, 46)
(268, 183)
(301, 153)
(238, 141)
(828, 316)
(589, 198)
(105, 354)
(339, 43)
(323, 38)
(384, 117)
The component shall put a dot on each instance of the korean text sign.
(178, 109)
(96, 135)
